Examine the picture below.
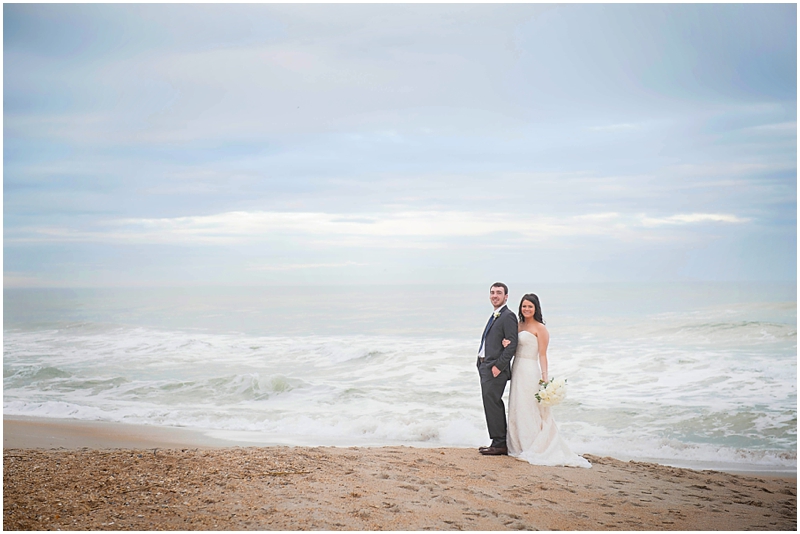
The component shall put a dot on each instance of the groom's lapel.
(496, 319)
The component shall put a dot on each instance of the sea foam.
(707, 384)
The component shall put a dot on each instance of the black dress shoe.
(484, 448)
(495, 451)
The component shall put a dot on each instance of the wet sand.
(131, 478)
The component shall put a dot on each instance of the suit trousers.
(493, 407)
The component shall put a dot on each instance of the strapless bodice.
(527, 346)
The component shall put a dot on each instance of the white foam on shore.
(701, 386)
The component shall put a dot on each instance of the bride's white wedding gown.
(532, 431)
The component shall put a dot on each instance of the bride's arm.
(544, 340)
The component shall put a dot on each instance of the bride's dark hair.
(537, 312)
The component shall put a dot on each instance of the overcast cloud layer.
(262, 144)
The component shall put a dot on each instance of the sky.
(199, 144)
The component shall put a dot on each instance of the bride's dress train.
(532, 431)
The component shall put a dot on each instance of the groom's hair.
(501, 284)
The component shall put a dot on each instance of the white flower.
(552, 392)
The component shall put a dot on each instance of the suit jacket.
(504, 327)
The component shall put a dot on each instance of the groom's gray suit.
(495, 355)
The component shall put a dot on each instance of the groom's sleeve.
(510, 333)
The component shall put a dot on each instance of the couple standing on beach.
(531, 433)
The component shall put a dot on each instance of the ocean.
(699, 375)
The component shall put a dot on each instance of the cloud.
(697, 171)
(356, 67)
(615, 127)
(294, 266)
(418, 227)
(334, 131)
(19, 279)
(778, 127)
(692, 218)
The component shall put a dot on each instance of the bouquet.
(552, 392)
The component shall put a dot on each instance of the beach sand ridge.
(383, 488)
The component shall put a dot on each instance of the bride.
(532, 431)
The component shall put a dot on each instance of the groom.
(494, 367)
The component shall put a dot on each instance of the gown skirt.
(532, 432)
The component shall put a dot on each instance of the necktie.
(486, 331)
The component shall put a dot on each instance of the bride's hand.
(506, 343)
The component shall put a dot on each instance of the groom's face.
(497, 296)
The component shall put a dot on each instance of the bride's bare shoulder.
(541, 326)
(541, 329)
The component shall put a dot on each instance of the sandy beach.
(73, 475)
